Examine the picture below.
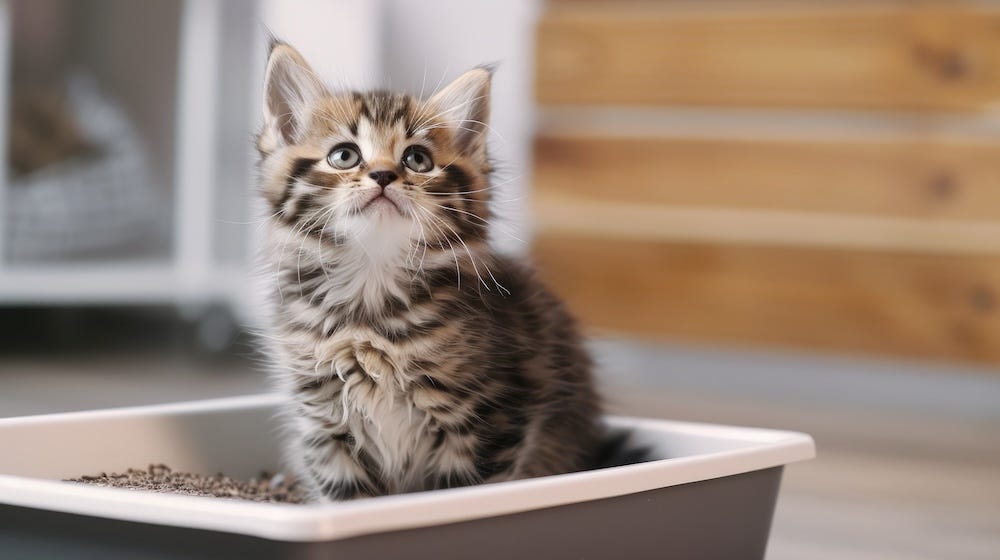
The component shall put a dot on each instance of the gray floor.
(909, 454)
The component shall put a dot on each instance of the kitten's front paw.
(349, 357)
(344, 362)
(378, 366)
(338, 356)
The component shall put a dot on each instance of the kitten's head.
(344, 165)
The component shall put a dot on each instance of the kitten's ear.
(290, 87)
(464, 105)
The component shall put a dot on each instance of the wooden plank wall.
(876, 55)
(803, 174)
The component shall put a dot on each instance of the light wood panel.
(883, 303)
(918, 56)
(572, 215)
(906, 176)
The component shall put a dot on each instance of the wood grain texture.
(881, 303)
(913, 56)
(647, 222)
(906, 176)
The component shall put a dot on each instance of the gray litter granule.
(275, 488)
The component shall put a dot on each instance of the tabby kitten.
(414, 356)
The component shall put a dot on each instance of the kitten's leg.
(329, 462)
(453, 461)
(453, 451)
(335, 472)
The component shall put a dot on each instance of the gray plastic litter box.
(709, 493)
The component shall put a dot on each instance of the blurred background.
(772, 213)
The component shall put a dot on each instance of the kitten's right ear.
(290, 88)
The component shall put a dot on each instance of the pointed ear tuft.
(290, 88)
(272, 41)
(464, 106)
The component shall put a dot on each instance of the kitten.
(414, 356)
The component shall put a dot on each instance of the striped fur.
(414, 356)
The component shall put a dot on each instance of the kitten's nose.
(383, 178)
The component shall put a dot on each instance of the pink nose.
(383, 178)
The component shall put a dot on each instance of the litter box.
(709, 493)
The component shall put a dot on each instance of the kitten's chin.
(380, 227)
(385, 216)
(382, 206)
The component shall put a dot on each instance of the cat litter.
(160, 478)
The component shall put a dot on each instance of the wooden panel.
(884, 303)
(932, 55)
(899, 177)
(567, 214)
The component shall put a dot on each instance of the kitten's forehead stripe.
(383, 108)
(402, 109)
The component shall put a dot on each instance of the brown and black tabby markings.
(414, 355)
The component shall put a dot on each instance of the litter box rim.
(753, 449)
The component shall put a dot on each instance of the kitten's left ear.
(290, 88)
(464, 106)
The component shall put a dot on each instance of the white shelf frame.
(195, 147)
(191, 276)
(5, 87)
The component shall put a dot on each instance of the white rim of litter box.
(333, 521)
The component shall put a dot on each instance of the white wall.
(339, 38)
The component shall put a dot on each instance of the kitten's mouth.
(381, 202)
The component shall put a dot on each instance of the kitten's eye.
(344, 156)
(418, 159)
